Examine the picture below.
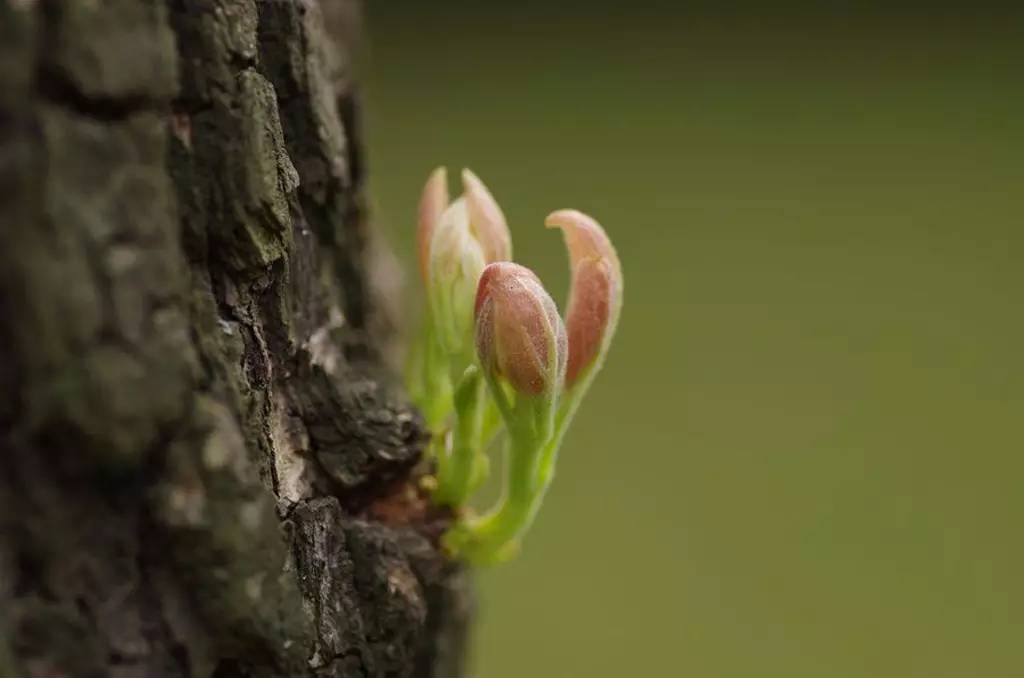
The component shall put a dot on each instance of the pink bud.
(519, 334)
(486, 219)
(595, 297)
(432, 204)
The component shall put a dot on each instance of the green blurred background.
(805, 454)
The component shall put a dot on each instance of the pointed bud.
(486, 219)
(456, 261)
(595, 296)
(456, 241)
(432, 204)
(519, 334)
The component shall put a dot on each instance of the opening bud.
(595, 295)
(455, 242)
(456, 261)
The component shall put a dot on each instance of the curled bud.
(519, 334)
(595, 296)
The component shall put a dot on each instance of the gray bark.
(206, 468)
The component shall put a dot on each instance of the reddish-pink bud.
(595, 297)
(432, 204)
(486, 219)
(519, 334)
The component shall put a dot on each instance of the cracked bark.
(206, 467)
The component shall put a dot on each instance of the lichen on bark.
(206, 467)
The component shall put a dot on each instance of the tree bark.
(206, 468)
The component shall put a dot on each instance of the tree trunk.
(205, 466)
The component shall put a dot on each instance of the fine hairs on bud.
(519, 334)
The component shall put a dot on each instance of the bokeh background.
(805, 454)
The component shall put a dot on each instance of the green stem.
(567, 408)
(459, 477)
(436, 398)
(493, 537)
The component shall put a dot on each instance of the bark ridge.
(206, 468)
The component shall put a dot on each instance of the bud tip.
(433, 203)
(487, 219)
(595, 296)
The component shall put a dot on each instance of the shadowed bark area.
(206, 468)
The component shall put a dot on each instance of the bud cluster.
(529, 370)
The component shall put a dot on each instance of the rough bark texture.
(205, 469)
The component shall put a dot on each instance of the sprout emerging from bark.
(530, 370)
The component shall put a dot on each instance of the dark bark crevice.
(205, 466)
